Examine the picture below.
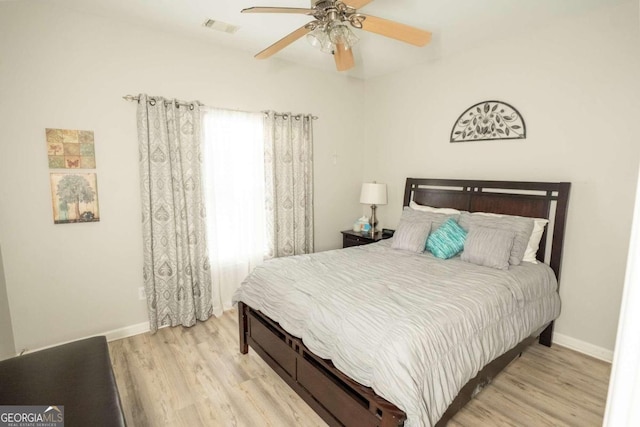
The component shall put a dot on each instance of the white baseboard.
(127, 331)
(583, 347)
(112, 335)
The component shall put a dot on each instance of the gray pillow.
(489, 247)
(411, 236)
(435, 219)
(520, 225)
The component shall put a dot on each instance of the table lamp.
(373, 194)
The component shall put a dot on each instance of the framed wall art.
(74, 198)
(70, 149)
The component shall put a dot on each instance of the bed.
(273, 318)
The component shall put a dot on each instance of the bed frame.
(339, 400)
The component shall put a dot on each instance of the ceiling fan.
(330, 33)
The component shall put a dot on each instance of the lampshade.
(373, 193)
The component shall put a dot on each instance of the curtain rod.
(137, 99)
(132, 98)
(296, 116)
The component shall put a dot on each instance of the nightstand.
(355, 238)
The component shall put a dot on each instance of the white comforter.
(411, 326)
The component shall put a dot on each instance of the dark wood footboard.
(243, 325)
(339, 400)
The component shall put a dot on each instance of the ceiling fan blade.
(395, 30)
(357, 4)
(343, 57)
(283, 42)
(278, 10)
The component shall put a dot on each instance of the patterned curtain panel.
(288, 160)
(176, 264)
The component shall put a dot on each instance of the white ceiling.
(456, 25)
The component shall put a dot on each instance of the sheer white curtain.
(235, 195)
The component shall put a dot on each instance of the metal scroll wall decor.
(489, 120)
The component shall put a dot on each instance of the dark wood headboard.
(531, 199)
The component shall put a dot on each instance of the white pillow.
(423, 208)
(534, 240)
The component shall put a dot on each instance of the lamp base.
(373, 222)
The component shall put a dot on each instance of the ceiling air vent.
(221, 26)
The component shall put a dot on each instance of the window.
(234, 191)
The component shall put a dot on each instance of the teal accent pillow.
(448, 240)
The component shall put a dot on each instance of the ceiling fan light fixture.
(340, 33)
(319, 38)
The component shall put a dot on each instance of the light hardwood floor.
(196, 377)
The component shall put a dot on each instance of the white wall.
(7, 345)
(576, 84)
(62, 69)
(624, 387)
